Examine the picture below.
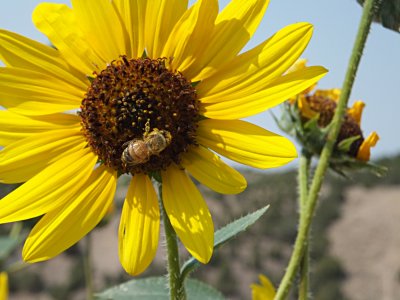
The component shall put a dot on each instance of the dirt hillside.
(366, 240)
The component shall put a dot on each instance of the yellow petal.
(48, 189)
(20, 52)
(211, 171)
(250, 71)
(58, 22)
(102, 28)
(234, 27)
(14, 127)
(356, 111)
(22, 160)
(300, 64)
(188, 213)
(232, 106)
(246, 143)
(161, 17)
(139, 226)
(186, 41)
(62, 227)
(3, 286)
(265, 291)
(364, 152)
(133, 13)
(34, 93)
(305, 108)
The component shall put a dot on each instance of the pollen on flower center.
(134, 106)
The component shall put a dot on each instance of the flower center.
(326, 108)
(138, 116)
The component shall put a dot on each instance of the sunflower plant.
(156, 91)
(152, 89)
(308, 118)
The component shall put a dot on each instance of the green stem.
(305, 223)
(304, 274)
(176, 288)
(15, 230)
(17, 266)
(303, 179)
(87, 267)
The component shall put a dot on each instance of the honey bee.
(139, 151)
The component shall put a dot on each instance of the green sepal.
(345, 145)
(344, 164)
(290, 121)
(225, 234)
(313, 138)
(155, 288)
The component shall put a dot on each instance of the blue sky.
(335, 25)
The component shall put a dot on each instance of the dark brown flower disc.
(131, 98)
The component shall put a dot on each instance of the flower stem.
(176, 288)
(370, 6)
(15, 230)
(17, 266)
(303, 181)
(304, 275)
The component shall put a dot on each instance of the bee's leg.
(124, 145)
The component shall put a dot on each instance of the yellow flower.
(321, 104)
(3, 286)
(143, 88)
(365, 147)
(300, 65)
(356, 111)
(265, 291)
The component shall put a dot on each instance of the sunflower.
(322, 105)
(142, 88)
(263, 291)
(3, 286)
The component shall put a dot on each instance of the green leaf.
(232, 229)
(155, 288)
(345, 164)
(388, 15)
(198, 290)
(7, 245)
(225, 234)
(345, 145)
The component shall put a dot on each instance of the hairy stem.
(176, 287)
(303, 181)
(370, 7)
